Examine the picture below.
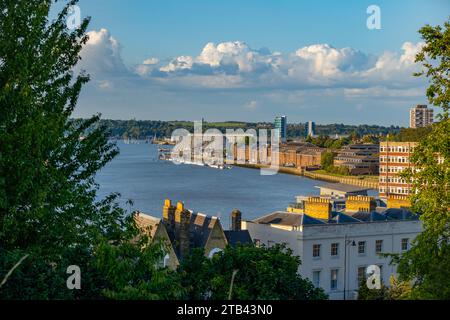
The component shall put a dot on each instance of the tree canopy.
(260, 273)
(426, 264)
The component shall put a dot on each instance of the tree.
(364, 293)
(426, 264)
(195, 273)
(327, 160)
(134, 271)
(260, 273)
(48, 204)
(411, 134)
(397, 290)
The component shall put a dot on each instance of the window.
(361, 247)
(405, 243)
(257, 243)
(378, 246)
(361, 274)
(316, 250)
(335, 249)
(334, 279)
(316, 278)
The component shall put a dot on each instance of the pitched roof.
(400, 214)
(240, 236)
(339, 217)
(200, 228)
(147, 223)
(370, 216)
(293, 219)
(391, 214)
(287, 219)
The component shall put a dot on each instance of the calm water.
(138, 174)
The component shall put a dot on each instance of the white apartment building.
(420, 116)
(336, 253)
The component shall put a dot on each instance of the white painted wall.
(302, 241)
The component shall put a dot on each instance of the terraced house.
(336, 248)
(180, 230)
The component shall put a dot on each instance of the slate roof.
(287, 219)
(293, 219)
(235, 237)
(339, 217)
(200, 228)
(370, 216)
(400, 214)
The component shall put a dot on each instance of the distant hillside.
(148, 128)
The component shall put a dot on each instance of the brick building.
(292, 154)
(359, 159)
(394, 158)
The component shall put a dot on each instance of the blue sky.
(266, 58)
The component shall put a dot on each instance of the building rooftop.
(291, 219)
(147, 222)
(200, 228)
(283, 218)
(238, 237)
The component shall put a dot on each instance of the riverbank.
(366, 182)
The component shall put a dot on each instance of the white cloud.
(314, 66)
(234, 65)
(101, 54)
(324, 60)
(179, 63)
(306, 78)
(252, 105)
(150, 61)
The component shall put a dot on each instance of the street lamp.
(346, 243)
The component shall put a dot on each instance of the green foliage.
(411, 134)
(148, 128)
(364, 293)
(343, 171)
(397, 290)
(426, 264)
(133, 270)
(327, 142)
(327, 160)
(369, 138)
(262, 273)
(48, 204)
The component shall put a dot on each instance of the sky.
(252, 60)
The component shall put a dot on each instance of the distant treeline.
(141, 129)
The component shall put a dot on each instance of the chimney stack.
(355, 204)
(318, 208)
(169, 217)
(183, 217)
(236, 217)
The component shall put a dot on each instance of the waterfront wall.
(346, 180)
(355, 181)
